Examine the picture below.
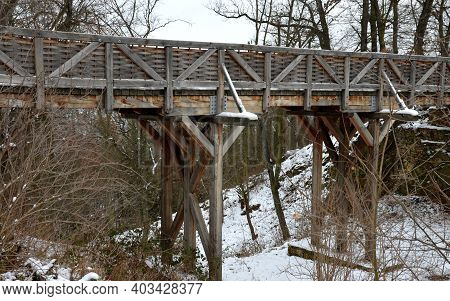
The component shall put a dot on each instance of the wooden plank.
(307, 127)
(197, 135)
(397, 72)
(363, 131)
(232, 137)
(166, 195)
(428, 74)
(364, 71)
(412, 98)
(346, 92)
(201, 226)
(267, 79)
(380, 93)
(216, 205)
(244, 65)
(308, 92)
(221, 80)
(387, 125)
(169, 130)
(189, 242)
(109, 71)
(168, 95)
(289, 68)
(202, 59)
(140, 62)
(40, 72)
(83, 53)
(333, 128)
(316, 187)
(442, 85)
(328, 69)
(12, 64)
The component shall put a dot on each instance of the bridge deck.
(182, 78)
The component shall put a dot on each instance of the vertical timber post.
(316, 201)
(442, 85)
(308, 92)
(412, 82)
(109, 96)
(371, 238)
(267, 79)
(189, 221)
(40, 73)
(343, 204)
(168, 97)
(166, 196)
(216, 205)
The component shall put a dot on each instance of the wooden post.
(40, 72)
(412, 82)
(166, 195)
(440, 101)
(346, 91)
(109, 96)
(380, 102)
(168, 96)
(342, 201)
(316, 201)
(374, 195)
(216, 205)
(308, 92)
(221, 80)
(267, 79)
(189, 221)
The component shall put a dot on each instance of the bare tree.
(421, 28)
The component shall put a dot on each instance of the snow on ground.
(423, 124)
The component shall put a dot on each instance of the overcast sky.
(204, 25)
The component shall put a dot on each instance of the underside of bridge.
(202, 86)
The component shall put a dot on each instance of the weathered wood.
(73, 61)
(201, 226)
(333, 128)
(343, 205)
(221, 80)
(328, 69)
(397, 72)
(363, 131)
(346, 92)
(380, 92)
(197, 134)
(169, 130)
(216, 205)
(411, 101)
(288, 68)
(232, 137)
(387, 125)
(13, 65)
(249, 70)
(442, 85)
(316, 187)
(40, 72)
(267, 79)
(166, 195)
(189, 241)
(202, 59)
(364, 71)
(140, 62)
(428, 74)
(168, 95)
(109, 95)
(308, 92)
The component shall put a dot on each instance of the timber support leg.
(316, 201)
(189, 238)
(216, 205)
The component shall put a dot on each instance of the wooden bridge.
(180, 83)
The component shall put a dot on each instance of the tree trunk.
(364, 26)
(373, 27)
(324, 36)
(422, 25)
(395, 27)
(443, 32)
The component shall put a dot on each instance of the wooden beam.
(140, 62)
(428, 74)
(168, 95)
(221, 80)
(201, 226)
(442, 85)
(166, 196)
(316, 187)
(307, 127)
(346, 92)
(308, 92)
(232, 137)
(343, 205)
(387, 125)
(169, 130)
(109, 71)
(328, 69)
(363, 131)
(380, 92)
(244, 65)
(397, 72)
(216, 205)
(333, 128)
(267, 79)
(177, 223)
(412, 93)
(363, 72)
(12, 64)
(83, 53)
(40, 72)
(197, 134)
(202, 59)
(189, 242)
(289, 68)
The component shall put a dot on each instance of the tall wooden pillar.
(216, 205)
(342, 201)
(189, 221)
(316, 201)
(166, 196)
(373, 178)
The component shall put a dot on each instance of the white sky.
(205, 25)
